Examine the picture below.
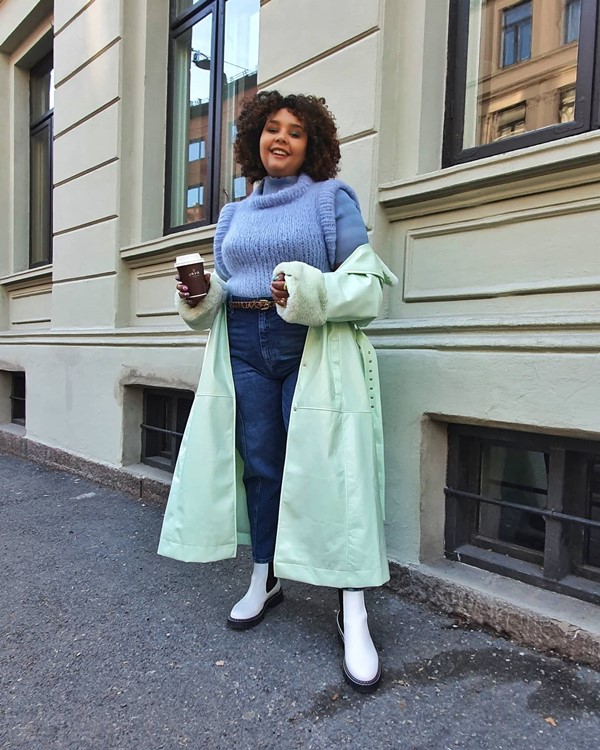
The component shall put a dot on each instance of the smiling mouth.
(279, 152)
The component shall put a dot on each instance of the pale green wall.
(495, 319)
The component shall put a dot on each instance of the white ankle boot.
(251, 608)
(361, 662)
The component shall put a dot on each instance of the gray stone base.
(145, 488)
(528, 615)
(540, 619)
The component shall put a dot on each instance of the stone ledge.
(530, 616)
(147, 489)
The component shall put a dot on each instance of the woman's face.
(283, 144)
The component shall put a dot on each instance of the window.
(17, 398)
(510, 121)
(526, 506)
(484, 82)
(572, 20)
(41, 107)
(195, 202)
(213, 67)
(566, 105)
(165, 415)
(197, 150)
(516, 34)
(239, 188)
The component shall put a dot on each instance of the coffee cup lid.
(184, 260)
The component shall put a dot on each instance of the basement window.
(17, 398)
(526, 506)
(165, 415)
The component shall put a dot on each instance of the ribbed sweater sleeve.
(350, 227)
(225, 218)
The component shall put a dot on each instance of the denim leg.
(260, 436)
(265, 357)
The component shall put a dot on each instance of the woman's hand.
(184, 291)
(279, 290)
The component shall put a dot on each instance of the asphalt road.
(105, 645)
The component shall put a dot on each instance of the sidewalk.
(106, 645)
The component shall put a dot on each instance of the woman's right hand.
(184, 292)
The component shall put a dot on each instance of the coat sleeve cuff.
(203, 314)
(307, 303)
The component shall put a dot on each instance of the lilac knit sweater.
(283, 220)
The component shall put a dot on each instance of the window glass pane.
(195, 196)
(572, 20)
(181, 5)
(191, 102)
(504, 72)
(41, 94)
(41, 196)
(197, 150)
(239, 81)
(158, 413)
(516, 476)
(194, 152)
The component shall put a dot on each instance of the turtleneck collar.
(272, 185)
(275, 191)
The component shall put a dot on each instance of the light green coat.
(330, 530)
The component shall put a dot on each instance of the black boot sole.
(253, 621)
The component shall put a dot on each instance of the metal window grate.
(165, 415)
(526, 506)
(17, 399)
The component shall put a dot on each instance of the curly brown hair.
(322, 149)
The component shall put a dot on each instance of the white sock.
(254, 599)
(360, 654)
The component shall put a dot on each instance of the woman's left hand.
(279, 290)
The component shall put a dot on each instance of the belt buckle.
(264, 304)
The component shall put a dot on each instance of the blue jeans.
(265, 358)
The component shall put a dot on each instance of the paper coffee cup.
(191, 273)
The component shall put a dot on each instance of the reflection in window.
(195, 201)
(566, 106)
(214, 61)
(517, 476)
(197, 150)
(516, 34)
(494, 96)
(239, 188)
(240, 64)
(41, 108)
(572, 20)
(510, 121)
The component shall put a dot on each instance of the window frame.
(43, 123)
(587, 94)
(562, 565)
(179, 24)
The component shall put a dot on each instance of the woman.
(287, 410)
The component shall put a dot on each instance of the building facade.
(469, 129)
